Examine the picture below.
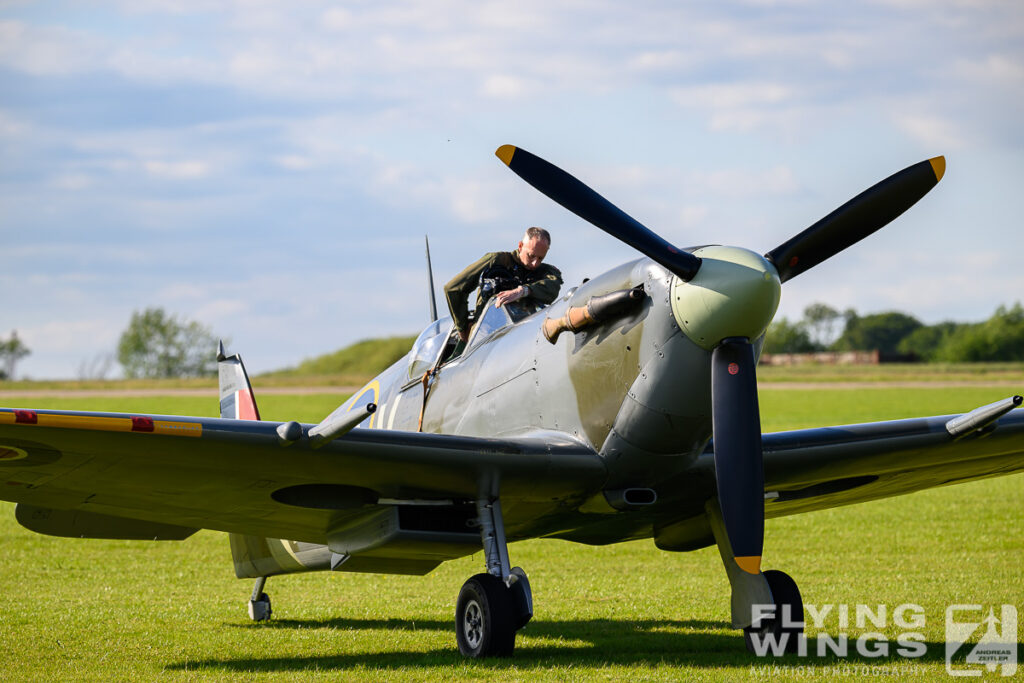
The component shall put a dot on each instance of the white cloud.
(177, 170)
(778, 180)
(662, 60)
(703, 120)
(996, 70)
(139, 62)
(471, 200)
(295, 162)
(47, 50)
(746, 106)
(733, 95)
(12, 126)
(337, 19)
(506, 87)
(63, 336)
(932, 131)
(72, 181)
(691, 217)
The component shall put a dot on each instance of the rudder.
(255, 556)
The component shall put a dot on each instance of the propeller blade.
(856, 219)
(738, 460)
(592, 207)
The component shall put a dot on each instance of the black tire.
(485, 618)
(788, 604)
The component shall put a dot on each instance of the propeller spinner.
(723, 298)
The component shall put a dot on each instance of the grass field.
(105, 610)
(343, 371)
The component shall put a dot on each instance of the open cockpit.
(439, 343)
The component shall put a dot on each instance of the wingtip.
(505, 153)
(939, 167)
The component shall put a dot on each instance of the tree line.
(823, 328)
(157, 344)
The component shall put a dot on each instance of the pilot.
(535, 280)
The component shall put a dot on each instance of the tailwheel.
(259, 608)
(787, 625)
(259, 603)
(486, 618)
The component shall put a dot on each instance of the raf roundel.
(9, 453)
(734, 368)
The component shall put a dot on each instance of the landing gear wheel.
(485, 618)
(522, 598)
(789, 614)
(259, 609)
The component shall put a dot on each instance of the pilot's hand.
(510, 295)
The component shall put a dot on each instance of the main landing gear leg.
(493, 606)
(771, 593)
(259, 603)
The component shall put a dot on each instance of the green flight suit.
(543, 284)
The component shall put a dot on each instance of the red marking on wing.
(26, 417)
(142, 424)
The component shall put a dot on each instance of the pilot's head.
(534, 247)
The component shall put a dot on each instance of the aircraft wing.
(814, 469)
(223, 474)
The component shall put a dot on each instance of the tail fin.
(255, 556)
(237, 401)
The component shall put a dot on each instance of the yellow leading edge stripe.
(505, 153)
(105, 424)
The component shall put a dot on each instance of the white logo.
(994, 640)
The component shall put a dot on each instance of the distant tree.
(1000, 338)
(928, 341)
(156, 344)
(97, 367)
(11, 351)
(786, 337)
(882, 331)
(821, 322)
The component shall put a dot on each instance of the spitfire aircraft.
(627, 409)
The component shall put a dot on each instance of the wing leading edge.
(815, 469)
(236, 476)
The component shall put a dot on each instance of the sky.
(270, 169)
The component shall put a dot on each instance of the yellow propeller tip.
(938, 165)
(750, 564)
(505, 153)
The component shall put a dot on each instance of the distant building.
(837, 358)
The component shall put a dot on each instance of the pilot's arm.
(543, 290)
(458, 289)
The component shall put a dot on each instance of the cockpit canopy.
(493, 318)
(431, 343)
(428, 346)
